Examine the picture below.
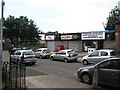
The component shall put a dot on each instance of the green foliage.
(20, 29)
(118, 53)
(114, 16)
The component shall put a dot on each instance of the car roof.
(117, 58)
(23, 50)
(41, 48)
(107, 50)
(66, 50)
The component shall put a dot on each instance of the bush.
(118, 53)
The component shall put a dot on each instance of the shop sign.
(66, 37)
(42, 36)
(69, 37)
(92, 35)
(50, 37)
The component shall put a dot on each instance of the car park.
(98, 55)
(65, 55)
(108, 72)
(24, 56)
(42, 53)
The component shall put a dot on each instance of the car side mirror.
(89, 55)
(96, 67)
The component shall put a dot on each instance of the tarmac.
(53, 81)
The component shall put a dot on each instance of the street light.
(1, 41)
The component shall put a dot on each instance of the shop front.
(73, 41)
(93, 40)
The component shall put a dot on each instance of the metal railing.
(14, 76)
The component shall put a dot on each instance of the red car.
(59, 47)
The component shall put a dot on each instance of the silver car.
(65, 55)
(42, 53)
(107, 72)
(98, 56)
(24, 56)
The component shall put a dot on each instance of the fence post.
(95, 78)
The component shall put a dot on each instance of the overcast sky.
(68, 16)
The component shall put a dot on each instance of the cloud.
(63, 15)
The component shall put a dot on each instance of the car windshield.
(28, 53)
(113, 53)
(38, 50)
(46, 51)
(71, 51)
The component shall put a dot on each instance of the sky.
(64, 16)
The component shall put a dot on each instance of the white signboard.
(42, 36)
(50, 37)
(92, 35)
(119, 5)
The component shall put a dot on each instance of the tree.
(20, 29)
(114, 16)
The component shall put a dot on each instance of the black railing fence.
(14, 76)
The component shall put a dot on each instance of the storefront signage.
(69, 37)
(92, 35)
(42, 36)
(50, 37)
(65, 37)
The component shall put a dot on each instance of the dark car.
(108, 72)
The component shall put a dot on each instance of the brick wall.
(117, 36)
(109, 44)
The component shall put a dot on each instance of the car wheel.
(47, 57)
(52, 58)
(41, 57)
(85, 62)
(86, 78)
(33, 63)
(66, 60)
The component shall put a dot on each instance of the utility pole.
(1, 41)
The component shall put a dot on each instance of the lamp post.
(1, 40)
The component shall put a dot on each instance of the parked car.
(65, 55)
(24, 56)
(108, 72)
(42, 53)
(97, 56)
(59, 47)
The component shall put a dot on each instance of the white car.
(65, 55)
(98, 56)
(24, 56)
(42, 53)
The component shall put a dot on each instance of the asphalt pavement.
(50, 80)
(53, 81)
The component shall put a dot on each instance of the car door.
(16, 56)
(37, 53)
(62, 55)
(93, 57)
(57, 55)
(108, 72)
(103, 56)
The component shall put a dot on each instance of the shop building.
(82, 41)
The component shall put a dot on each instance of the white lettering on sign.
(92, 35)
(65, 37)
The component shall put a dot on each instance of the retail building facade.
(82, 41)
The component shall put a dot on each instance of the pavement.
(53, 81)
